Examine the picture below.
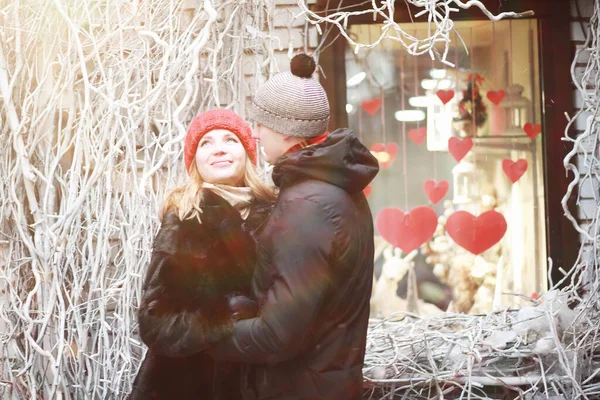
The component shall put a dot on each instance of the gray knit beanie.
(293, 103)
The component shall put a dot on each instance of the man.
(314, 277)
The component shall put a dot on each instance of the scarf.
(239, 197)
(307, 142)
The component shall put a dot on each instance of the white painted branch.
(97, 97)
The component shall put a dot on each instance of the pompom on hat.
(217, 119)
(293, 103)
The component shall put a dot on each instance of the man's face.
(274, 144)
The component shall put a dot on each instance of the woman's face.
(221, 158)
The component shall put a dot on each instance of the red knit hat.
(217, 119)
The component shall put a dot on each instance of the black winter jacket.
(194, 271)
(313, 280)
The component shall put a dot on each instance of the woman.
(202, 264)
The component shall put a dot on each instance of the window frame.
(556, 100)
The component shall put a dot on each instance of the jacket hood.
(341, 160)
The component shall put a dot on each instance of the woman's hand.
(242, 307)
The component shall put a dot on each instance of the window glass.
(461, 183)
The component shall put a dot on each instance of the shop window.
(461, 188)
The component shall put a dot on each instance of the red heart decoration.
(371, 106)
(409, 230)
(514, 170)
(459, 148)
(496, 97)
(385, 154)
(367, 191)
(532, 130)
(476, 234)
(445, 95)
(418, 135)
(435, 190)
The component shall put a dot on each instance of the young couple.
(253, 296)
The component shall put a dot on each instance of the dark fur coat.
(197, 273)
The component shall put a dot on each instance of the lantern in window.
(516, 110)
(466, 179)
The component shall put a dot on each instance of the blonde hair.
(185, 200)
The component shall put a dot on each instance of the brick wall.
(587, 205)
(290, 31)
